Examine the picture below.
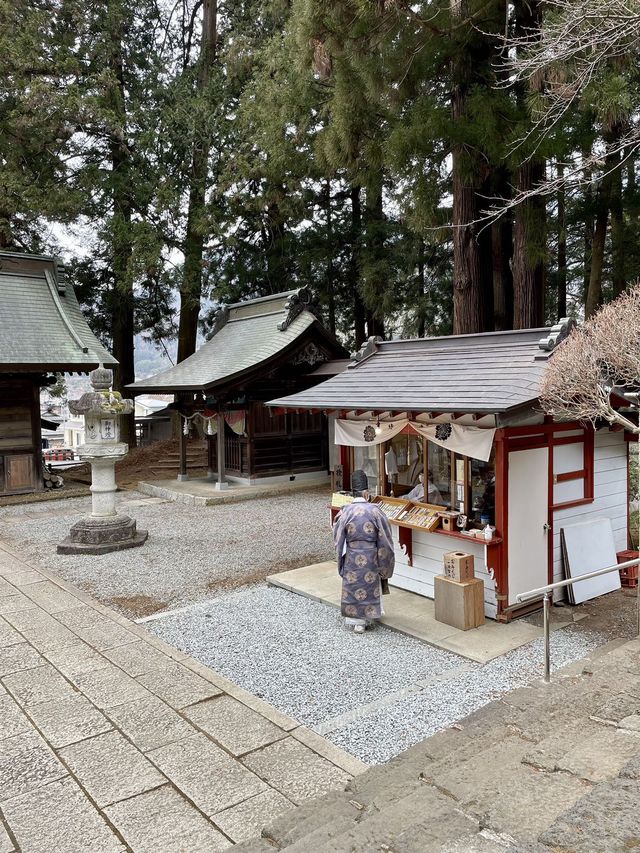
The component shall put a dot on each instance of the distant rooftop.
(42, 327)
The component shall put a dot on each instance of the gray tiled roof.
(41, 325)
(488, 373)
(249, 337)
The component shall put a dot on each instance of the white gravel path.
(191, 552)
(373, 695)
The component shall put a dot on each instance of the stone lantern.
(104, 530)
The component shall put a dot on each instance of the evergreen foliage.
(377, 151)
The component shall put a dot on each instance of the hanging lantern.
(209, 427)
(185, 428)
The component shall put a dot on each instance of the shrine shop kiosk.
(461, 414)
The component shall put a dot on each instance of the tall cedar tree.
(196, 227)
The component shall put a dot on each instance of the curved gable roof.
(245, 335)
(41, 325)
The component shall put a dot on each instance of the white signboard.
(587, 547)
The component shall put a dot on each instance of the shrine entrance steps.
(547, 768)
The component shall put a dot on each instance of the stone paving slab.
(245, 820)
(59, 817)
(113, 741)
(12, 720)
(110, 768)
(41, 630)
(8, 635)
(67, 721)
(149, 723)
(605, 821)
(6, 844)
(200, 491)
(162, 820)
(136, 658)
(233, 725)
(295, 770)
(17, 658)
(177, 685)
(206, 773)
(35, 686)
(26, 763)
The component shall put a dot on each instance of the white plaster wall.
(610, 495)
(428, 549)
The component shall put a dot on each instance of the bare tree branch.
(597, 361)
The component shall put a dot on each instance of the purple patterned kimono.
(368, 557)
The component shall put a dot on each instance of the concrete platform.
(201, 491)
(413, 615)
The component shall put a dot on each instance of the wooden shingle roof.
(484, 373)
(246, 335)
(41, 325)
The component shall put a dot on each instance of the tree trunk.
(420, 287)
(561, 304)
(501, 254)
(617, 233)
(191, 286)
(274, 249)
(604, 197)
(528, 248)
(329, 268)
(6, 234)
(360, 334)
(530, 215)
(377, 283)
(594, 291)
(471, 280)
(603, 200)
(467, 273)
(588, 227)
(501, 248)
(122, 298)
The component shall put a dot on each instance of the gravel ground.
(192, 553)
(373, 695)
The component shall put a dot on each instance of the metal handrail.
(547, 593)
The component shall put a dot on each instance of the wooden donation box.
(459, 596)
(458, 566)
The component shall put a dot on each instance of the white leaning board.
(587, 547)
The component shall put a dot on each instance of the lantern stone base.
(102, 535)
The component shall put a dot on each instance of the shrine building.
(42, 332)
(259, 349)
(452, 438)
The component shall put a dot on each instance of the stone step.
(513, 777)
(420, 822)
(333, 808)
(192, 462)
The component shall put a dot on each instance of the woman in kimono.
(364, 548)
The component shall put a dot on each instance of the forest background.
(424, 167)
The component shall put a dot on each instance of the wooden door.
(528, 492)
(19, 472)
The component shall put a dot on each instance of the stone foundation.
(102, 535)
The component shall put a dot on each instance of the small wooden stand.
(460, 604)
